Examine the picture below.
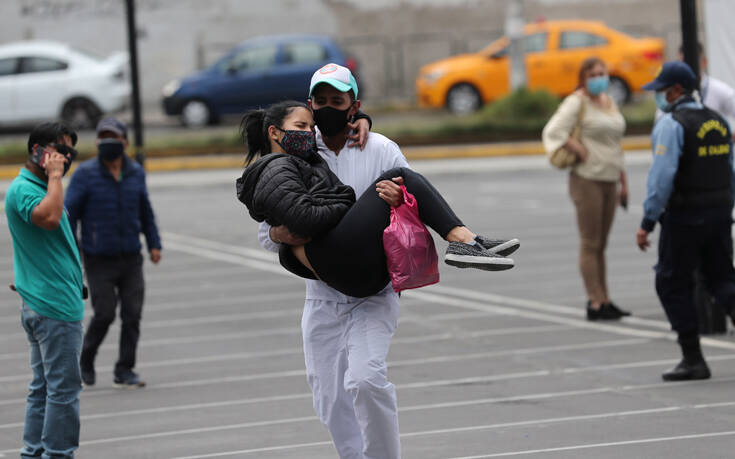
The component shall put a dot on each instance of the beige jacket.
(601, 133)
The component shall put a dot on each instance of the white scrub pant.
(345, 347)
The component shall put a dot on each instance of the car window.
(531, 44)
(577, 39)
(8, 66)
(258, 58)
(304, 53)
(41, 64)
(535, 43)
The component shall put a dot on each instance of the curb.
(170, 164)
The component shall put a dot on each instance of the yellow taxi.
(554, 52)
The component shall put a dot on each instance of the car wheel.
(195, 114)
(80, 113)
(618, 90)
(463, 98)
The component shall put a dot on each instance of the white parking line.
(294, 330)
(404, 409)
(538, 310)
(603, 445)
(490, 427)
(433, 432)
(202, 304)
(261, 450)
(391, 364)
(413, 385)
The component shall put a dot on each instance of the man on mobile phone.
(108, 195)
(48, 277)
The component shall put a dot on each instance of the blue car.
(256, 73)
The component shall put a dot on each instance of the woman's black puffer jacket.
(302, 194)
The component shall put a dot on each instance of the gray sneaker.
(464, 255)
(503, 247)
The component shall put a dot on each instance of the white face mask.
(661, 101)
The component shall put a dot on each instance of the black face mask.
(110, 149)
(331, 121)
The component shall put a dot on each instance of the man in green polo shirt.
(48, 277)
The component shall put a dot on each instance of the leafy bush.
(521, 105)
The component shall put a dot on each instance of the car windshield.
(90, 54)
(496, 48)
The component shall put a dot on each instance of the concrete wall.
(390, 38)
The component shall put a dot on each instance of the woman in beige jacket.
(593, 181)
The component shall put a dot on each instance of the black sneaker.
(464, 255)
(687, 371)
(128, 380)
(503, 247)
(615, 309)
(89, 377)
(606, 312)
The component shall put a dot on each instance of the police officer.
(690, 192)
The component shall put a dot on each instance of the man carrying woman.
(346, 338)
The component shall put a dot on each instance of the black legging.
(350, 257)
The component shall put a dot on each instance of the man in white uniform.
(714, 93)
(346, 339)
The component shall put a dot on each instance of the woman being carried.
(291, 185)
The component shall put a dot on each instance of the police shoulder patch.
(660, 149)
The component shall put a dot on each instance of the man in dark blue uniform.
(690, 192)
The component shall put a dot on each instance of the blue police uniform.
(690, 191)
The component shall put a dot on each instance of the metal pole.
(134, 80)
(688, 10)
(514, 31)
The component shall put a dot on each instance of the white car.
(42, 80)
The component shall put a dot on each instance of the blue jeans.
(52, 408)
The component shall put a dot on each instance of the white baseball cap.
(335, 75)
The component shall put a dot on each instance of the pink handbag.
(409, 248)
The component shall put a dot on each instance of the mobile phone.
(39, 156)
(624, 203)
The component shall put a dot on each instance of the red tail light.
(653, 55)
(351, 64)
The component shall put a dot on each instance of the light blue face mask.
(598, 85)
(661, 101)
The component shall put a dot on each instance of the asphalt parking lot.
(485, 364)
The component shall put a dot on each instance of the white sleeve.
(561, 125)
(264, 238)
(397, 159)
(728, 102)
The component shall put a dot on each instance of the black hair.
(254, 126)
(47, 133)
(700, 49)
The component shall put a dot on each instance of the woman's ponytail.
(252, 134)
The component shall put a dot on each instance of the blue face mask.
(661, 101)
(598, 85)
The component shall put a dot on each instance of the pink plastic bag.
(409, 248)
